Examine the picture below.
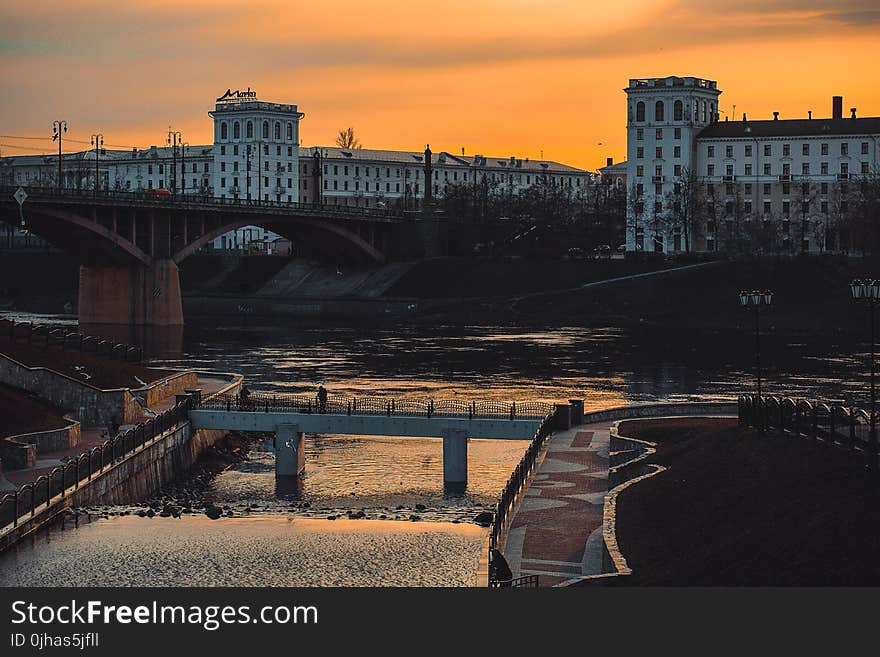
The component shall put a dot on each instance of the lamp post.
(98, 142)
(757, 300)
(868, 292)
(183, 148)
(174, 140)
(57, 128)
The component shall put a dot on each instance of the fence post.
(348, 407)
(512, 410)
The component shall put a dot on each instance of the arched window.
(712, 112)
(704, 111)
(289, 131)
(696, 111)
(659, 111)
(640, 111)
(277, 131)
(236, 130)
(677, 111)
(224, 130)
(250, 129)
(265, 129)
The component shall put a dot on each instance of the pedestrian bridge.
(292, 416)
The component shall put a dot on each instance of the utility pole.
(57, 128)
(174, 140)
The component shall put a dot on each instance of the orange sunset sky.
(498, 77)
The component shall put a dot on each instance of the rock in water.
(420, 507)
(484, 518)
(213, 512)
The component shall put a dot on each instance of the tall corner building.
(696, 183)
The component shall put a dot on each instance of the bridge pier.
(455, 447)
(290, 453)
(130, 294)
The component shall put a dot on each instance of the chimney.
(837, 107)
(775, 116)
(744, 117)
(609, 161)
(809, 115)
(462, 151)
(853, 110)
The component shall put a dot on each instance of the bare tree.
(347, 139)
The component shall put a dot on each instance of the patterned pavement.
(556, 532)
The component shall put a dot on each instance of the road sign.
(20, 195)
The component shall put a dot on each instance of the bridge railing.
(831, 422)
(342, 405)
(514, 487)
(146, 196)
(32, 497)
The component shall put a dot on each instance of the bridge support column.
(290, 453)
(130, 294)
(455, 446)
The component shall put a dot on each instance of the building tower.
(664, 117)
(256, 148)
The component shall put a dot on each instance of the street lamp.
(98, 142)
(868, 292)
(757, 300)
(57, 128)
(174, 140)
(183, 148)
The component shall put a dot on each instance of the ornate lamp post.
(757, 300)
(98, 142)
(174, 140)
(57, 128)
(868, 292)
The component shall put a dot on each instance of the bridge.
(129, 244)
(291, 416)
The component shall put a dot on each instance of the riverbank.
(737, 508)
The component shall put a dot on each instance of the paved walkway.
(556, 532)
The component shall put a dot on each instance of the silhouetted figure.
(501, 570)
(244, 395)
(322, 399)
(114, 428)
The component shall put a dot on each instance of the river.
(389, 477)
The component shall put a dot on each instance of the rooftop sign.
(237, 96)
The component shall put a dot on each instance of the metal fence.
(509, 495)
(831, 422)
(266, 402)
(28, 499)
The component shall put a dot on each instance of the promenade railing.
(832, 421)
(514, 487)
(42, 492)
(267, 402)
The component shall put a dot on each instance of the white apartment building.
(786, 179)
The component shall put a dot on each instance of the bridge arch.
(282, 228)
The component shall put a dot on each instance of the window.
(865, 167)
(748, 188)
(658, 134)
(748, 171)
(658, 170)
(844, 167)
(806, 149)
(289, 131)
(658, 206)
(676, 170)
(278, 132)
(676, 151)
(223, 150)
(766, 207)
(766, 189)
(678, 133)
(161, 168)
(640, 111)
(844, 148)
(768, 150)
(728, 189)
(747, 206)
(249, 133)
(640, 134)
(728, 151)
(236, 130)
(728, 170)
(786, 150)
(640, 171)
(786, 208)
(677, 110)
(223, 166)
(150, 169)
(658, 189)
(265, 131)
(235, 149)
(824, 188)
(640, 152)
(711, 152)
(703, 111)
(748, 150)
(658, 152)
(766, 168)
(710, 171)
(224, 130)
(824, 168)
(805, 168)
(824, 207)
(786, 169)
(864, 148)
(786, 188)
(824, 149)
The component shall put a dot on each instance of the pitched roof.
(791, 128)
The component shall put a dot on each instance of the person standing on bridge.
(322, 399)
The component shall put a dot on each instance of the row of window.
(248, 151)
(658, 134)
(784, 206)
(703, 111)
(786, 149)
(806, 169)
(730, 189)
(249, 130)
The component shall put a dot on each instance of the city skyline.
(527, 79)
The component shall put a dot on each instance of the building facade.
(696, 183)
